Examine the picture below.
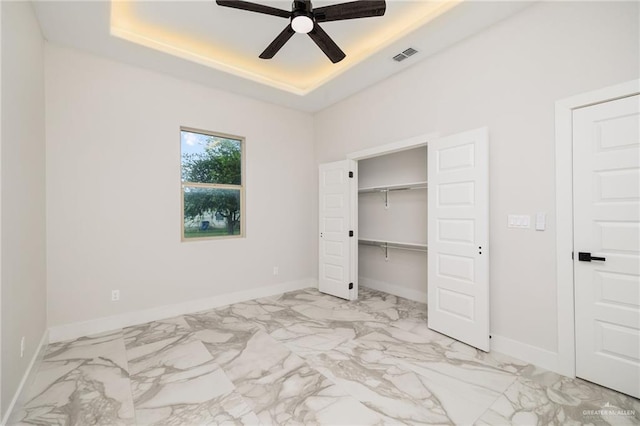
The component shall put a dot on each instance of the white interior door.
(458, 229)
(606, 194)
(338, 229)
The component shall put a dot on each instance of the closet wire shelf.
(390, 188)
(386, 245)
(399, 187)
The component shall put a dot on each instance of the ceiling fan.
(304, 19)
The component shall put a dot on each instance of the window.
(212, 185)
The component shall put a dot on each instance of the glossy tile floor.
(303, 358)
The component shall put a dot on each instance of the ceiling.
(219, 47)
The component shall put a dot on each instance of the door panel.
(606, 185)
(338, 207)
(458, 256)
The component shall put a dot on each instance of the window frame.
(240, 187)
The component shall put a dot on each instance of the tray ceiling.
(219, 47)
(230, 40)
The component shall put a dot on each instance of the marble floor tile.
(307, 339)
(301, 358)
(375, 369)
(346, 313)
(84, 381)
(392, 307)
(155, 331)
(396, 394)
(223, 319)
(227, 408)
(283, 389)
(257, 308)
(222, 333)
(454, 359)
(462, 401)
(176, 381)
(313, 321)
(540, 397)
(276, 315)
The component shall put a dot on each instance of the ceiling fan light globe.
(302, 24)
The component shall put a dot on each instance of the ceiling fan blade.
(253, 7)
(277, 43)
(351, 10)
(324, 42)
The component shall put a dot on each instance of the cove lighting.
(129, 23)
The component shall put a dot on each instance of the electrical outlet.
(276, 271)
(22, 347)
(115, 295)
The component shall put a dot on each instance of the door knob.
(586, 257)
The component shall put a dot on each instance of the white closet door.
(338, 216)
(458, 225)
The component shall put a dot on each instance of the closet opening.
(412, 219)
(392, 223)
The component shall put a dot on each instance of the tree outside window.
(212, 184)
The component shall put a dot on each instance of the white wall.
(507, 78)
(22, 186)
(113, 190)
(397, 168)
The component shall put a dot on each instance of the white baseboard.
(532, 354)
(396, 290)
(28, 377)
(99, 325)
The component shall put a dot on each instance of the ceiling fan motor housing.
(301, 17)
(301, 5)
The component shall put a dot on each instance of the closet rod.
(406, 188)
(386, 245)
(398, 187)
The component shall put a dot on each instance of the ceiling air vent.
(409, 52)
(405, 54)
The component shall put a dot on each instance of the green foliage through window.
(211, 185)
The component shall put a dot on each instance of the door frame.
(390, 148)
(564, 212)
(377, 151)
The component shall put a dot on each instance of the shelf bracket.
(385, 248)
(386, 199)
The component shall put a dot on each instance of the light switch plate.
(541, 221)
(519, 221)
